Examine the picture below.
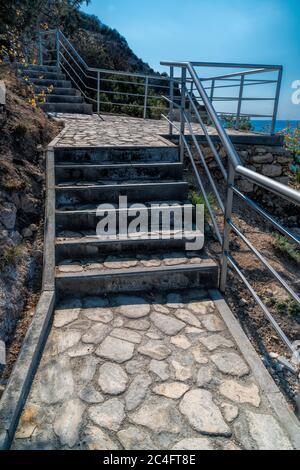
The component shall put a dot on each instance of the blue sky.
(248, 31)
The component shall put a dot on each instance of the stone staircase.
(60, 95)
(91, 265)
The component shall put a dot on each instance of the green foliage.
(198, 199)
(230, 121)
(289, 307)
(282, 245)
(10, 255)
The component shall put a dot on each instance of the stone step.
(54, 83)
(40, 68)
(110, 155)
(68, 196)
(43, 74)
(72, 108)
(51, 98)
(74, 245)
(93, 172)
(87, 218)
(203, 275)
(57, 91)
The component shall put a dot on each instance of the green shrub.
(282, 245)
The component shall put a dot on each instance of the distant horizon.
(262, 31)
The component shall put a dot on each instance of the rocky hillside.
(24, 132)
(104, 47)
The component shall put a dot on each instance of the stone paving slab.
(145, 371)
(132, 261)
(119, 131)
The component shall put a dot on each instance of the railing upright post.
(182, 110)
(171, 99)
(239, 108)
(98, 92)
(40, 49)
(226, 233)
(146, 97)
(276, 103)
(57, 48)
(212, 90)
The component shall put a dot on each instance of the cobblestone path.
(145, 372)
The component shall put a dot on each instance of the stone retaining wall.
(273, 162)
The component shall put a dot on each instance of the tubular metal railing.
(141, 94)
(107, 90)
(234, 168)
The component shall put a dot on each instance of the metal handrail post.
(238, 115)
(171, 99)
(98, 92)
(276, 103)
(146, 97)
(182, 110)
(227, 227)
(212, 90)
(57, 48)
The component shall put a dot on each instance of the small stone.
(202, 414)
(172, 259)
(135, 365)
(153, 335)
(96, 334)
(240, 393)
(173, 390)
(215, 341)
(64, 317)
(166, 324)
(174, 300)
(109, 414)
(135, 438)
(204, 376)
(112, 379)
(230, 412)
(68, 420)
(182, 372)
(199, 356)
(118, 322)
(140, 325)
(27, 233)
(81, 350)
(187, 317)
(84, 369)
(155, 349)
(192, 330)
(114, 262)
(133, 307)
(195, 443)
(96, 439)
(230, 363)
(128, 335)
(160, 308)
(151, 263)
(80, 324)
(181, 342)
(103, 315)
(28, 421)
(158, 414)
(137, 391)
(90, 395)
(56, 381)
(202, 308)
(267, 433)
(213, 323)
(70, 268)
(115, 349)
(159, 368)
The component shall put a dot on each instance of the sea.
(264, 126)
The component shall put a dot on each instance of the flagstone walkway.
(153, 371)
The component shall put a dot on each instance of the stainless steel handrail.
(235, 168)
(78, 71)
